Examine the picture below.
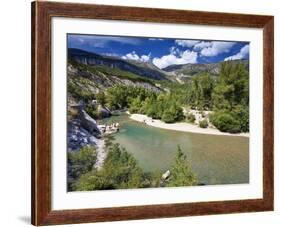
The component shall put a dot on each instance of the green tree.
(172, 114)
(232, 86)
(181, 172)
(136, 105)
(120, 170)
(152, 107)
(82, 161)
(200, 92)
(177, 112)
(93, 180)
(101, 98)
(241, 113)
(225, 121)
(231, 98)
(117, 97)
(92, 111)
(168, 117)
(121, 96)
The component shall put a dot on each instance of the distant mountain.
(195, 69)
(176, 73)
(148, 65)
(90, 58)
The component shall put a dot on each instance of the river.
(215, 159)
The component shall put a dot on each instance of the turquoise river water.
(215, 159)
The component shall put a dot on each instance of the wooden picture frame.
(42, 13)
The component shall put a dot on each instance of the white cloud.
(244, 51)
(186, 43)
(175, 51)
(134, 56)
(202, 45)
(145, 58)
(171, 59)
(207, 48)
(131, 56)
(215, 48)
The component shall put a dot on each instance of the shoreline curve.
(181, 126)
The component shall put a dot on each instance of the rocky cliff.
(89, 58)
(85, 80)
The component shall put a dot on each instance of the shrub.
(101, 98)
(168, 117)
(92, 180)
(120, 170)
(152, 112)
(82, 161)
(172, 114)
(203, 124)
(93, 112)
(178, 112)
(242, 115)
(154, 179)
(226, 122)
(190, 118)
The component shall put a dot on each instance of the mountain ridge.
(176, 73)
(181, 67)
(90, 58)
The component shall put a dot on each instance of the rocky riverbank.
(85, 131)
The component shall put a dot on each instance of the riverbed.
(215, 159)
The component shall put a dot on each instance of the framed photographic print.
(144, 113)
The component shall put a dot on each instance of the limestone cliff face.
(88, 58)
(92, 82)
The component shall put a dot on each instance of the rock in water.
(88, 123)
(166, 175)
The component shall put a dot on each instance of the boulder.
(88, 123)
(166, 175)
(92, 139)
(78, 137)
(73, 137)
(103, 111)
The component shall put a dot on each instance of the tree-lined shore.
(182, 126)
(226, 96)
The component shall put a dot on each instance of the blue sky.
(161, 52)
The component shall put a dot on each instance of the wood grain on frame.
(42, 12)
